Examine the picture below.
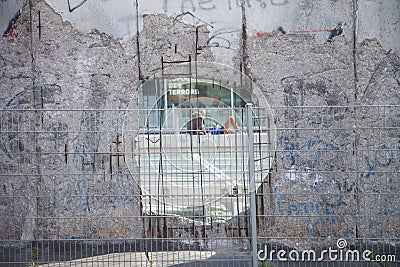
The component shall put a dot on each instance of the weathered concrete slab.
(336, 172)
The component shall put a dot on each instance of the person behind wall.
(229, 127)
(196, 123)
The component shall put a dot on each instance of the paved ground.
(193, 259)
(76, 253)
(136, 259)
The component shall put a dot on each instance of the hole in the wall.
(197, 172)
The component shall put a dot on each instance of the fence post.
(252, 185)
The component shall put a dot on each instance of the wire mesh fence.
(101, 188)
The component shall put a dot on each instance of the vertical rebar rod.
(252, 185)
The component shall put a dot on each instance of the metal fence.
(313, 185)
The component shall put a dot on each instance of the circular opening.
(186, 139)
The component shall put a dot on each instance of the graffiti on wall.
(208, 5)
(74, 4)
(11, 31)
(336, 31)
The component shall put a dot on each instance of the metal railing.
(81, 188)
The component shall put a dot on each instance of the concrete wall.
(77, 54)
(122, 19)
